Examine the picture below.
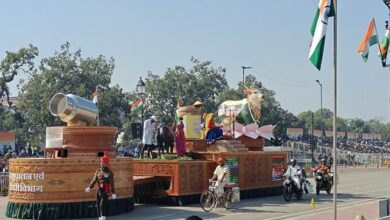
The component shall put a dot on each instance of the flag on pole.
(318, 30)
(95, 98)
(136, 105)
(369, 39)
(384, 49)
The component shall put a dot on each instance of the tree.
(201, 82)
(68, 72)
(12, 65)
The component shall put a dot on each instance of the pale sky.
(270, 36)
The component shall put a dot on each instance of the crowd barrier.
(4, 180)
(302, 152)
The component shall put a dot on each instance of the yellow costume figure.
(208, 120)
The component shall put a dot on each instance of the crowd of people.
(357, 145)
(19, 152)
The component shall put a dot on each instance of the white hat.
(154, 118)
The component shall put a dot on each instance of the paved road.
(359, 190)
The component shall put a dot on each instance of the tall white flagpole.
(335, 112)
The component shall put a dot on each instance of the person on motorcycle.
(323, 168)
(221, 175)
(292, 170)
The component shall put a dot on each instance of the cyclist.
(221, 175)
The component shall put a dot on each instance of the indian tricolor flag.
(318, 30)
(369, 39)
(385, 46)
(137, 105)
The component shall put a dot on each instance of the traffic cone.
(312, 203)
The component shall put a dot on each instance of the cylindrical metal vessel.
(73, 108)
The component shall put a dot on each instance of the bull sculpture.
(245, 111)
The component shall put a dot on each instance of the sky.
(270, 36)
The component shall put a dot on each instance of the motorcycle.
(323, 182)
(290, 187)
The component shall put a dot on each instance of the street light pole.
(243, 74)
(322, 130)
(141, 92)
(312, 140)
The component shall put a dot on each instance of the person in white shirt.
(292, 170)
(148, 135)
(221, 175)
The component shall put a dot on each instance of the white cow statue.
(245, 111)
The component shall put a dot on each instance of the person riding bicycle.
(323, 168)
(291, 171)
(221, 175)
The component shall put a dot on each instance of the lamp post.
(243, 74)
(322, 130)
(141, 92)
(313, 145)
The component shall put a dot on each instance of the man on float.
(148, 136)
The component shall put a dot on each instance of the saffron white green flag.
(369, 39)
(137, 105)
(318, 30)
(385, 46)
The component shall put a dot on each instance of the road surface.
(359, 190)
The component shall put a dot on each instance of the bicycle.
(209, 198)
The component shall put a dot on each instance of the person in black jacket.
(104, 178)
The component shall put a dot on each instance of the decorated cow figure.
(245, 111)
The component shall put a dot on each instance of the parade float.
(256, 172)
(53, 187)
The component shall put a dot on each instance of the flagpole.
(97, 105)
(335, 111)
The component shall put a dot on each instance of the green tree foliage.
(13, 64)
(201, 82)
(67, 72)
(313, 119)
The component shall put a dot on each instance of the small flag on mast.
(96, 96)
(385, 46)
(369, 39)
(136, 105)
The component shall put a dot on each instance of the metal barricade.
(4, 181)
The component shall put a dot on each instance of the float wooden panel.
(252, 144)
(64, 180)
(255, 168)
(84, 138)
(187, 177)
(191, 177)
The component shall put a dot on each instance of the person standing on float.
(180, 138)
(148, 135)
(104, 178)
